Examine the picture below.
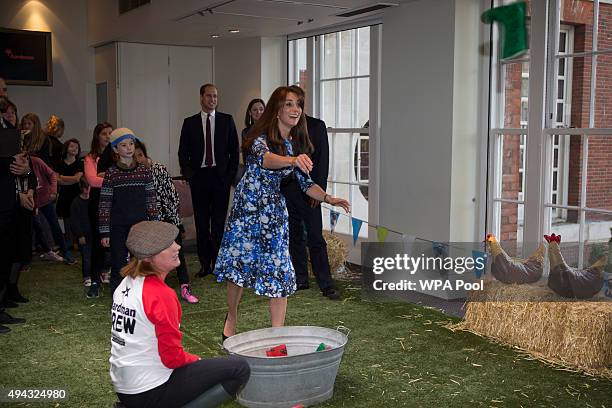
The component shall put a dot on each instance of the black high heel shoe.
(223, 329)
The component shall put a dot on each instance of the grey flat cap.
(149, 238)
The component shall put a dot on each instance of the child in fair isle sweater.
(126, 198)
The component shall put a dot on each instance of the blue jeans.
(48, 211)
(85, 251)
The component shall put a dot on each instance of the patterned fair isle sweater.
(126, 198)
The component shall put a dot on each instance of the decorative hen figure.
(515, 270)
(572, 282)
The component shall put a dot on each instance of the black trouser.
(210, 197)
(22, 236)
(300, 215)
(6, 257)
(85, 251)
(192, 380)
(181, 270)
(119, 253)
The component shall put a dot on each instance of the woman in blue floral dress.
(254, 252)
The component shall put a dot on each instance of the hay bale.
(336, 253)
(574, 335)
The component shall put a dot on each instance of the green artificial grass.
(398, 354)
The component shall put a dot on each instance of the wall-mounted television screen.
(25, 57)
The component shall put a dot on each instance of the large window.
(550, 143)
(339, 79)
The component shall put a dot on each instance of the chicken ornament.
(513, 270)
(572, 282)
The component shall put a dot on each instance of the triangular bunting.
(478, 271)
(439, 249)
(333, 219)
(382, 233)
(356, 228)
(408, 241)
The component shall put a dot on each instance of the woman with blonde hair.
(55, 130)
(35, 141)
(149, 366)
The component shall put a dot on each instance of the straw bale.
(336, 252)
(573, 335)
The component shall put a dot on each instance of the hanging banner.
(356, 228)
(439, 249)
(382, 233)
(333, 219)
(408, 240)
(479, 271)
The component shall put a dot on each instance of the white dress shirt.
(212, 136)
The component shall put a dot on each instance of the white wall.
(465, 174)
(417, 118)
(72, 95)
(158, 87)
(430, 143)
(238, 76)
(106, 71)
(273, 64)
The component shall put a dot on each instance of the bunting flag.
(408, 241)
(382, 233)
(439, 248)
(356, 228)
(333, 219)
(477, 270)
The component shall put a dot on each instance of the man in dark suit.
(306, 212)
(208, 157)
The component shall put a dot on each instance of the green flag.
(513, 28)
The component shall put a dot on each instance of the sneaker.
(87, 282)
(51, 256)
(94, 291)
(70, 261)
(187, 295)
(105, 277)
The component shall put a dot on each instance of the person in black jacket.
(208, 157)
(11, 201)
(306, 211)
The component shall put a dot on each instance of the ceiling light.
(234, 31)
(214, 36)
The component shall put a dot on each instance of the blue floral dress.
(254, 252)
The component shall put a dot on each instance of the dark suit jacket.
(317, 131)
(191, 145)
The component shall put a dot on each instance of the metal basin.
(305, 376)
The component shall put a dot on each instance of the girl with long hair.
(35, 141)
(255, 248)
(99, 141)
(69, 173)
(253, 112)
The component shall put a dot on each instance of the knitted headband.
(120, 134)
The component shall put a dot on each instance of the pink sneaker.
(187, 295)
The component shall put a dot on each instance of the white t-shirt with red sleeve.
(145, 335)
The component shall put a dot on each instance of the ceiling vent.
(365, 9)
(129, 5)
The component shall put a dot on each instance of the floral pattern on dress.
(254, 252)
